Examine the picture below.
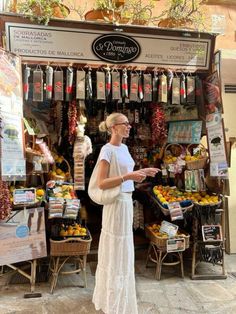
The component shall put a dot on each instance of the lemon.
(58, 171)
(162, 199)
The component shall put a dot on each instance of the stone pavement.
(170, 295)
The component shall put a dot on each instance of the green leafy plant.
(179, 12)
(107, 10)
(42, 11)
(140, 11)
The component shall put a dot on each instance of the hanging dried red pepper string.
(72, 120)
(158, 124)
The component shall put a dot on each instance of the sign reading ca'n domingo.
(36, 42)
(116, 48)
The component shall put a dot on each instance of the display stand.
(31, 277)
(63, 251)
(209, 251)
(160, 256)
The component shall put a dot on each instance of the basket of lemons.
(152, 232)
(196, 158)
(61, 170)
(172, 153)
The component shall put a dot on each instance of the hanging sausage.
(38, 84)
(49, 80)
(58, 85)
(80, 84)
(69, 83)
(100, 83)
(155, 87)
(125, 93)
(175, 99)
(26, 82)
(89, 86)
(162, 92)
(182, 89)
(108, 83)
(170, 77)
(116, 85)
(147, 83)
(140, 86)
(191, 87)
(134, 87)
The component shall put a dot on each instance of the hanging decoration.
(5, 203)
(158, 124)
(72, 120)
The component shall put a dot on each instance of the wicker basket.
(176, 151)
(199, 163)
(166, 211)
(70, 247)
(161, 242)
(63, 178)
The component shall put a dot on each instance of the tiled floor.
(170, 295)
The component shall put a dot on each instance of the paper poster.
(12, 137)
(212, 93)
(185, 132)
(216, 143)
(10, 83)
(219, 169)
(213, 119)
(22, 238)
(13, 169)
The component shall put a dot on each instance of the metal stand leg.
(84, 270)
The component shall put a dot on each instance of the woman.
(114, 291)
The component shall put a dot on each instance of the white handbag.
(108, 196)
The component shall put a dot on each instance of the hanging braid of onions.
(158, 124)
(72, 120)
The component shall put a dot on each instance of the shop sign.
(49, 43)
(116, 48)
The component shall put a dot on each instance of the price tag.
(57, 190)
(168, 228)
(175, 245)
(175, 211)
(24, 196)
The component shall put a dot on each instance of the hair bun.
(103, 127)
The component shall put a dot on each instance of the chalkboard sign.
(211, 233)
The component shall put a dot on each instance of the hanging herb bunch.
(158, 124)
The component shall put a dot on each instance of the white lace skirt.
(114, 291)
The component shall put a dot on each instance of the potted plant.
(182, 13)
(42, 11)
(105, 10)
(141, 13)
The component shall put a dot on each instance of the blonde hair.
(112, 119)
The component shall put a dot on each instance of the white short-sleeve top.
(124, 159)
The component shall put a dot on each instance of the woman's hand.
(151, 172)
(137, 176)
